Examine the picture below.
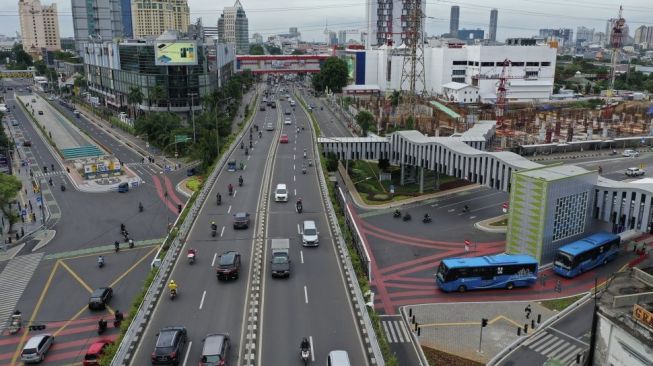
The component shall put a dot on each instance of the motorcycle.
(218, 199)
(465, 209)
(300, 207)
(100, 263)
(246, 151)
(231, 190)
(63, 188)
(214, 231)
(242, 145)
(131, 243)
(396, 214)
(16, 322)
(407, 217)
(427, 219)
(116, 246)
(303, 169)
(173, 294)
(305, 355)
(102, 326)
(240, 181)
(118, 319)
(191, 257)
(140, 207)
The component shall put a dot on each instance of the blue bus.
(582, 255)
(487, 272)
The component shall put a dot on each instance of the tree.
(395, 98)
(334, 74)
(274, 50)
(155, 95)
(134, 98)
(364, 119)
(384, 164)
(256, 49)
(588, 88)
(9, 187)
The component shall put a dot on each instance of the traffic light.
(37, 327)
(483, 322)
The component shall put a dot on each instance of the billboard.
(175, 53)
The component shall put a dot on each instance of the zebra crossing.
(395, 330)
(556, 347)
(49, 174)
(13, 281)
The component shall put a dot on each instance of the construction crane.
(616, 40)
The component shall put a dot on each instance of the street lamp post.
(192, 114)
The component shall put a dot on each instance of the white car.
(635, 172)
(287, 121)
(281, 193)
(629, 153)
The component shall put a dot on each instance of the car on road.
(283, 139)
(287, 112)
(95, 352)
(170, 345)
(215, 351)
(338, 358)
(36, 348)
(269, 126)
(27, 143)
(262, 108)
(100, 298)
(40, 113)
(630, 153)
(281, 193)
(123, 187)
(310, 235)
(231, 166)
(635, 172)
(241, 220)
(14, 122)
(228, 266)
(287, 121)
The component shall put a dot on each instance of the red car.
(283, 139)
(95, 352)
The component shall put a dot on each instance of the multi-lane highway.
(312, 303)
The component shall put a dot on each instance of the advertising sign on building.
(175, 53)
(643, 316)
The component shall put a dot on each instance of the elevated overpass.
(280, 64)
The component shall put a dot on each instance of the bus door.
(490, 276)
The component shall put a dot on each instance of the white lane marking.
(248, 156)
(294, 178)
(215, 255)
(301, 256)
(294, 157)
(202, 301)
(222, 231)
(305, 294)
(310, 340)
(298, 230)
(451, 210)
(295, 190)
(472, 217)
(235, 191)
(293, 167)
(190, 344)
(229, 209)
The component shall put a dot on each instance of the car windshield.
(281, 191)
(211, 359)
(279, 260)
(165, 339)
(29, 351)
(90, 357)
(309, 232)
(564, 260)
(226, 259)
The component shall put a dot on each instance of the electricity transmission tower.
(413, 72)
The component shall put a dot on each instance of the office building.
(233, 27)
(342, 37)
(584, 35)
(126, 17)
(531, 72)
(151, 18)
(384, 22)
(294, 32)
(39, 27)
(257, 38)
(471, 35)
(494, 18)
(99, 20)
(454, 19)
(113, 68)
(564, 36)
(644, 37)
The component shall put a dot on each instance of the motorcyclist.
(172, 286)
(214, 226)
(131, 242)
(250, 144)
(427, 216)
(100, 260)
(122, 227)
(218, 197)
(192, 252)
(240, 180)
(397, 213)
(242, 145)
(466, 208)
(305, 345)
(299, 204)
(116, 244)
(304, 153)
(231, 189)
(140, 206)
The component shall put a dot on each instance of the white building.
(39, 27)
(530, 74)
(460, 92)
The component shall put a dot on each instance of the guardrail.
(139, 323)
(357, 238)
(518, 342)
(364, 322)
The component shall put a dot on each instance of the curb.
(485, 225)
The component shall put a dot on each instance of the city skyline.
(514, 20)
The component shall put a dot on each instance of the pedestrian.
(543, 279)
(33, 217)
(558, 287)
(22, 219)
(22, 232)
(528, 310)
(30, 204)
(466, 248)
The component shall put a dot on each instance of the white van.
(281, 193)
(338, 358)
(310, 235)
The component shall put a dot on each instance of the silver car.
(36, 348)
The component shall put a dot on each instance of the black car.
(100, 298)
(228, 266)
(170, 345)
(241, 220)
(40, 112)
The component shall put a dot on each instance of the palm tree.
(156, 94)
(134, 98)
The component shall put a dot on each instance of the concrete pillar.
(421, 180)
(401, 175)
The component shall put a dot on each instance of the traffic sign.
(23, 212)
(504, 206)
(181, 138)
(38, 199)
(468, 242)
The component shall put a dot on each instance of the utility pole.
(192, 114)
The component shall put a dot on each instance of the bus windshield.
(564, 260)
(442, 271)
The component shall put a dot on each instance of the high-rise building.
(126, 17)
(454, 19)
(470, 35)
(233, 27)
(384, 22)
(564, 36)
(150, 18)
(494, 17)
(584, 34)
(39, 27)
(99, 20)
(294, 32)
(644, 36)
(342, 37)
(257, 37)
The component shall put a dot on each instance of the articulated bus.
(585, 254)
(487, 272)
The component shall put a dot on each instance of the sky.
(517, 18)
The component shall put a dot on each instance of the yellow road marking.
(111, 251)
(76, 277)
(56, 333)
(133, 266)
(48, 283)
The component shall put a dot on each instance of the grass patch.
(502, 222)
(560, 304)
(194, 183)
(439, 358)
